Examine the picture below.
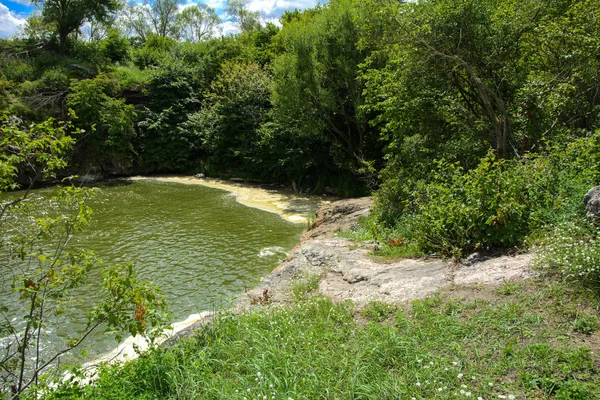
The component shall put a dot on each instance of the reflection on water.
(197, 244)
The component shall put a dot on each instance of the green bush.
(55, 79)
(115, 47)
(108, 120)
(501, 202)
(17, 70)
(165, 143)
(232, 114)
(4, 94)
(154, 51)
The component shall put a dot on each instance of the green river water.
(197, 244)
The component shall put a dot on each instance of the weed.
(573, 251)
(378, 311)
(586, 325)
(310, 221)
(507, 289)
(263, 299)
(304, 286)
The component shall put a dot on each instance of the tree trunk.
(62, 36)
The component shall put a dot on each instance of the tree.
(246, 19)
(162, 15)
(316, 87)
(468, 53)
(37, 30)
(135, 21)
(232, 114)
(163, 142)
(97, 30)
(69, 15)
(108, 121)
(157, 17)
(197, 22)
(38, 267)
(451, 79)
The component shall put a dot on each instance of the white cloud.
(229, 28)
(10, 23)
(275, 8)
(270, 11)
(216, 4)
(23, 2)
(267, 8)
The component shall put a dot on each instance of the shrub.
(109, 120)
(572, 249)
(499, 203)
(4, 93)
(154, 51)
(165, 144)
(115, 47)
(232, 114)
(17, 70)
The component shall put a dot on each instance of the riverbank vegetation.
(516, 341)
(39, 269)
(471, 122)
(476, 125)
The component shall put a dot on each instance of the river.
(198, 244)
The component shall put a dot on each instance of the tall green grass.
(130, 77)
(520, 343)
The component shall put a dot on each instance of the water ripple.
(197, 244)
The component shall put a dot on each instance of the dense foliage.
(448, 109)
(476, 124)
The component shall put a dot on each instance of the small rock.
(474, 258)
(13, 119)
(592, 202)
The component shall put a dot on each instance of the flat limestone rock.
(495, 271)
(347, 272)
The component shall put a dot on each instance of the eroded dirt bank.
(347, 272)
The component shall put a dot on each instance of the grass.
(524, 341)
(390, 243)
(305, 286)
(131, 77)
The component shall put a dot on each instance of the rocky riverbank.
(347, 272)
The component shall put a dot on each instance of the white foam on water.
(271, 251)
(131, 348)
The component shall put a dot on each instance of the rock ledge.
(348, 273)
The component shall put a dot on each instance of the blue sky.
(14, 12)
